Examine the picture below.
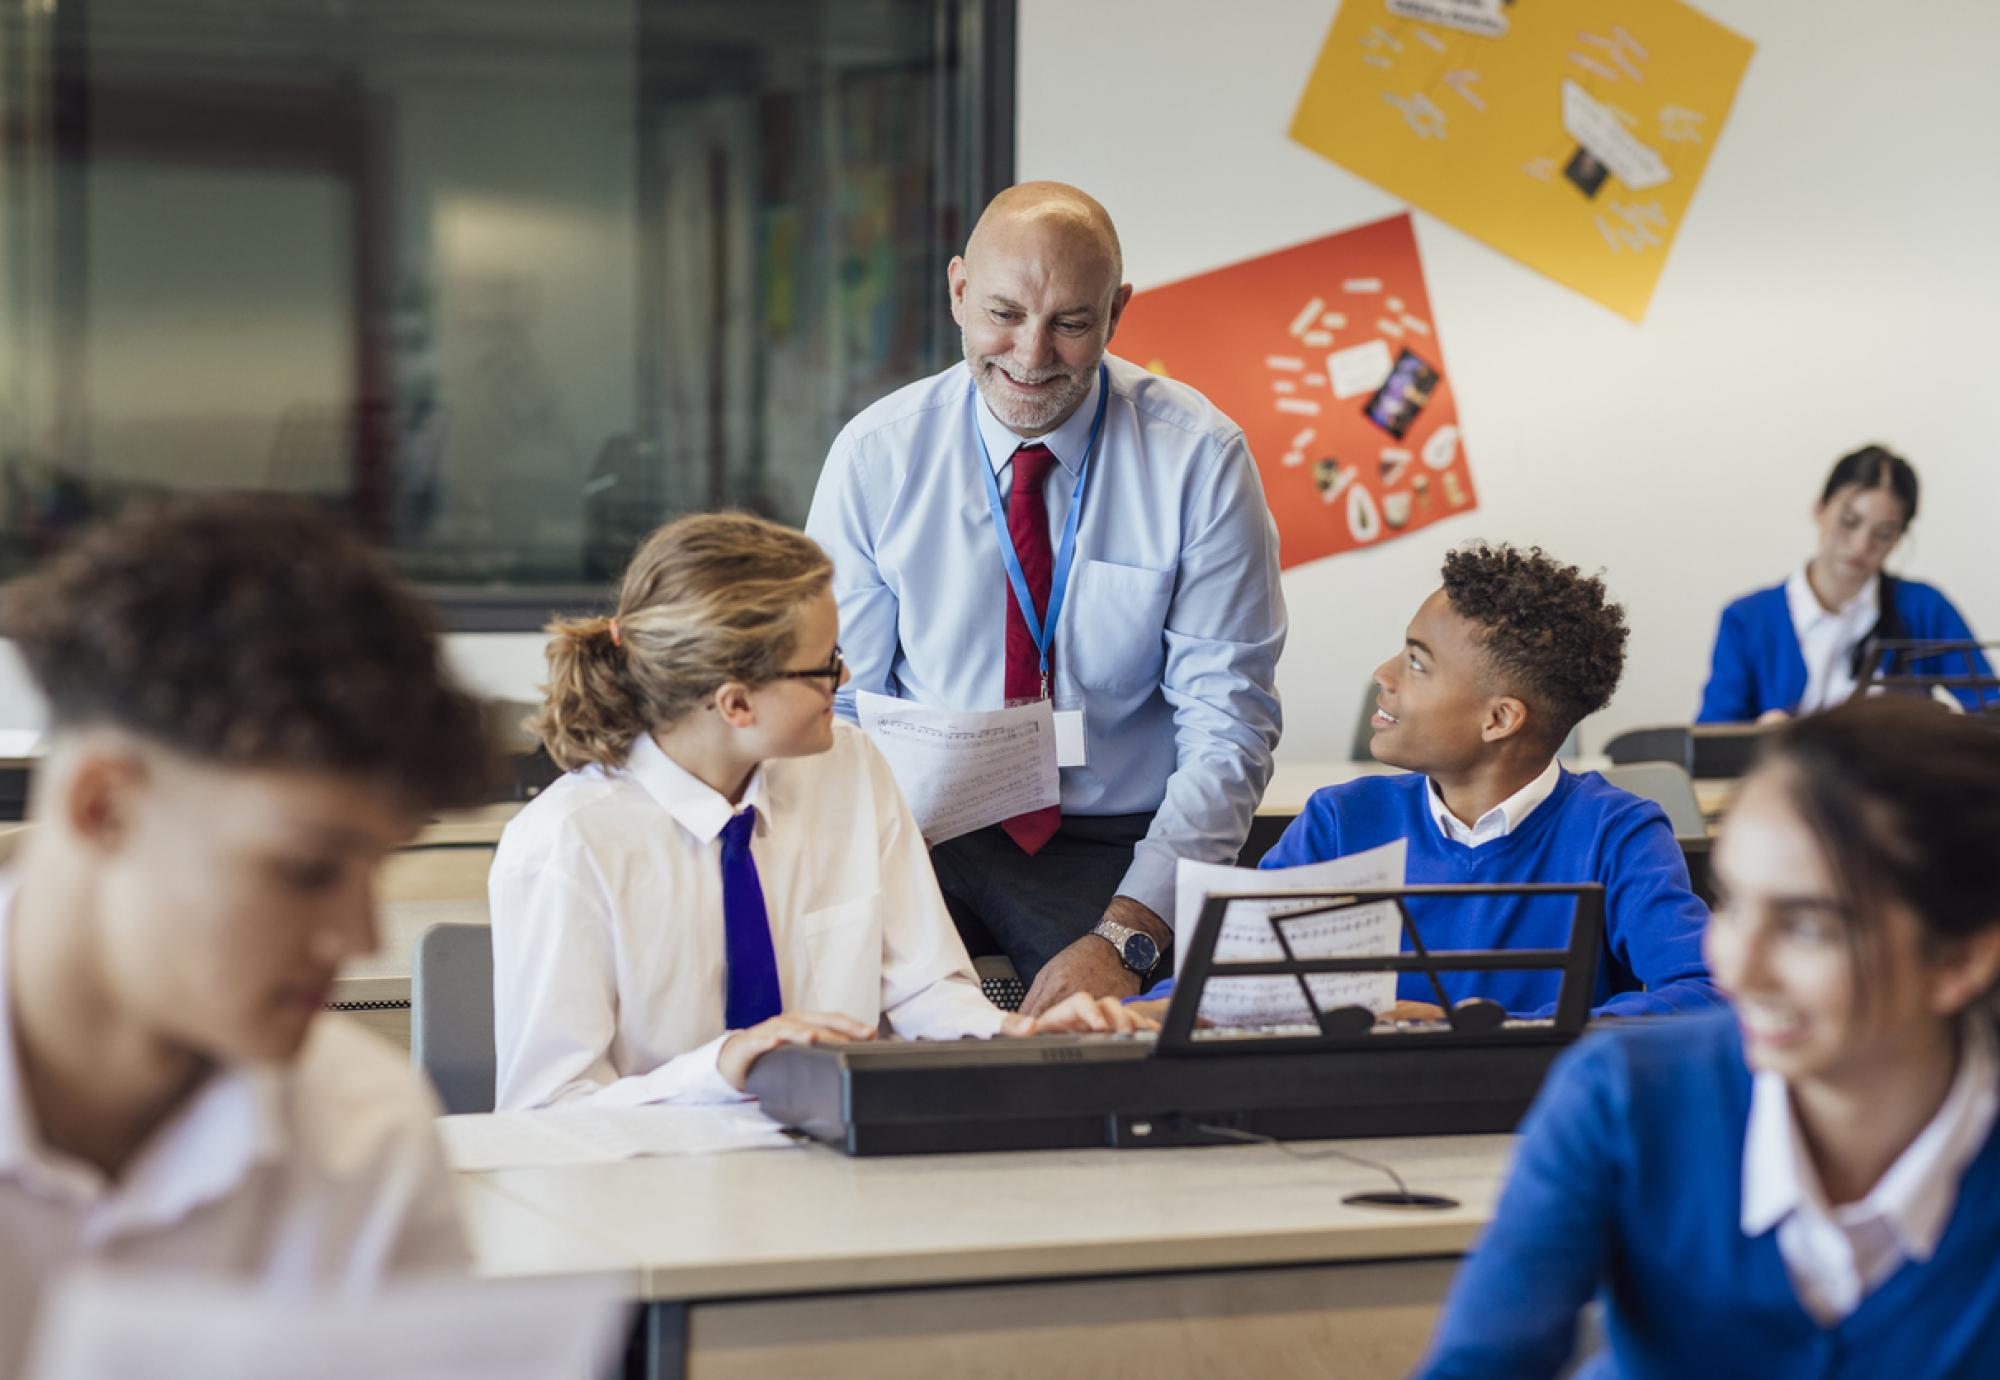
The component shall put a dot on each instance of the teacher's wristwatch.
(1136, 948)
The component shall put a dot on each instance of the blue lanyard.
(1044, 630)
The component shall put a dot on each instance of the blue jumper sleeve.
(1653, 921)
(1730, 696)
(1313, 836)
(1513, 1308)
(1940, 618)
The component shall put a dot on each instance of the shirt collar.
(234, 1122)
(1915, 1197)
(1067, 442)
(1807, 610)
(698, 807)
(1504, 818)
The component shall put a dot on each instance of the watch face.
(1141, 953)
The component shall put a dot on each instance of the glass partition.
(508, 282)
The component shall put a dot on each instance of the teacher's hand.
(1091, 965)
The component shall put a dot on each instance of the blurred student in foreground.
(1808, 1184)
(247, 712)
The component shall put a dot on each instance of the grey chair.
(451, 1014)
(1670, 787)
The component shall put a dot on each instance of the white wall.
(1834, 283)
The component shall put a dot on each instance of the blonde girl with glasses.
(724, 867)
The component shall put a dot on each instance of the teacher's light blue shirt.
(1169, 637)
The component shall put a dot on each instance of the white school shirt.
(1837, 1255)
(1504, 818)
(322, 1174)
(1827, 639)
(608, 946)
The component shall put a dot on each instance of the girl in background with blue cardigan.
(1802, 645)
(1809, 1185)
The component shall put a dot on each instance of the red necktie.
(1028, 525)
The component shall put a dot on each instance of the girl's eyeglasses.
(831, 672)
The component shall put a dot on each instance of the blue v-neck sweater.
(1586, 831)
(1757, 664)
(1629, 1182)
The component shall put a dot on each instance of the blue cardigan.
(1628, 1183)
(1586, 831)
(1757, 664)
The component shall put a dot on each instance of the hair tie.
(616, 640)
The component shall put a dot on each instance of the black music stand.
(1476, 1021)
(1889, 661)
(1342, 1028)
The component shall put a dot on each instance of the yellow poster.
(1569, 134)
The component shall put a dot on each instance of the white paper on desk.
(604, 1135)
(1247, 934)
(964, 771)
(134, 1325)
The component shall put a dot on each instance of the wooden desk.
(512, 1240)
(480, 825)
(1715, 797)
(1220, 1261)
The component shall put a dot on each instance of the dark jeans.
(1031, 909)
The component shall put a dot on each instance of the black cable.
(1328, 1152)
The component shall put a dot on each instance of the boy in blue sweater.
(1811, 1188)
(1497, 667)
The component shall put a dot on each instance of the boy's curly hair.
(1550, 632)
(250, 631)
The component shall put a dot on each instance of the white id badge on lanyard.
(1070, 750)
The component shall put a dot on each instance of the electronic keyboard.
(1340, 1074)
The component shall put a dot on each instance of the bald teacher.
(1121, 507)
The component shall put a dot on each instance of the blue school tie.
(751, 963)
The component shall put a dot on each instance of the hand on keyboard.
(1080, 1014)
(746, 1047)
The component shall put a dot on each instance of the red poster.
(1329, 358)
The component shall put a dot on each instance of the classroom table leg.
(665, 1341)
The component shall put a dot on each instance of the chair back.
(1667, 785)
(451, 1014)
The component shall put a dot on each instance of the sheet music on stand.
(1249, 932)
(153, 1325)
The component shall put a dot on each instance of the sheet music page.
(1247, 934)
(147, 1325)
(602, 1135)
(964, 771)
